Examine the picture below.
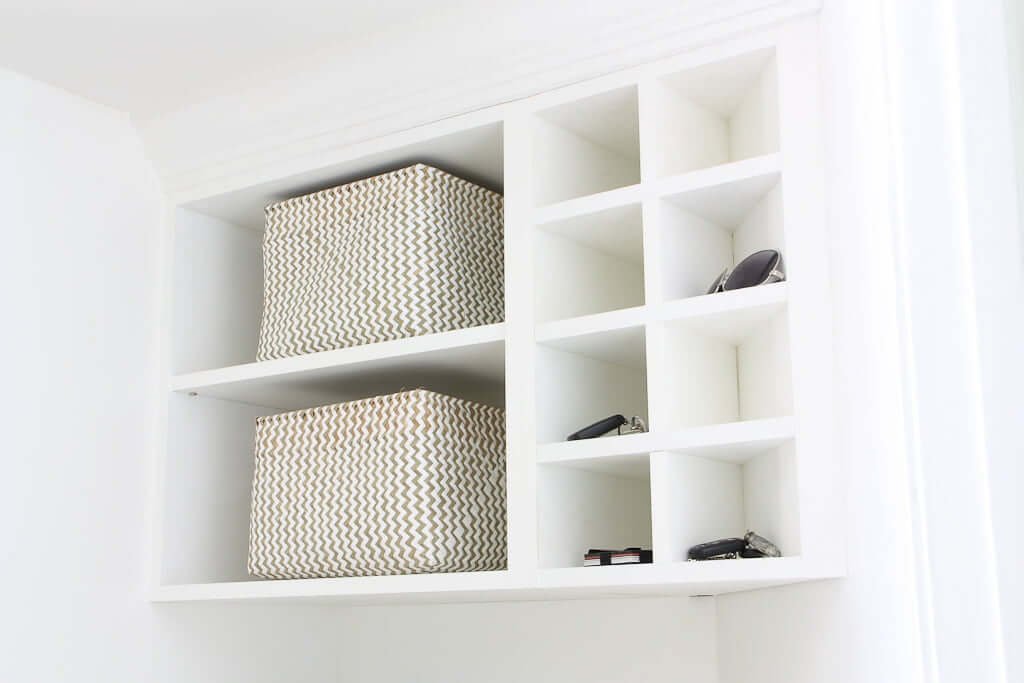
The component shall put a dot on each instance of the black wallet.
(730, 547)
(750, 546)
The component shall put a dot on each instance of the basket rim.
(420, 391)
(411, 169)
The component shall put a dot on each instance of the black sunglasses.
(760, 268)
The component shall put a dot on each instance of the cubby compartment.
(587, 377)
(724, 495)
(717, 371)
(704, 230)
(218, 292)
(589, 263)
(217, 259)
(207, 489)
(207, 480)
(592, 504)
(715, 114)
(586, 146)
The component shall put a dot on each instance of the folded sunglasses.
(760, 268)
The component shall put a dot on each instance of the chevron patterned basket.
(408, 483)
(402, 254)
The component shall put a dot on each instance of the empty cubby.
(589, 264)
(591, 504)
(207, 489)
(586, 146)
(588, 377)
(218, 292)
(700, 499)
(716, 113)
(719, 373)
(706, 230)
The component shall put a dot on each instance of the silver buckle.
(635, 425)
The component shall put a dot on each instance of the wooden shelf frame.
(601, 180)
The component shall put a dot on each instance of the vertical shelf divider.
(809, 311)
(520, 410)
(661, 493)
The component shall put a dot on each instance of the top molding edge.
(192, 162)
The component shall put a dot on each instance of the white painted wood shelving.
(625, 196)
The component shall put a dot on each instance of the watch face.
(762, 545)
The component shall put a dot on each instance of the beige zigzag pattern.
(406, 253)
(408, 483)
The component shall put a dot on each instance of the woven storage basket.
(406, 253)
(408, 483)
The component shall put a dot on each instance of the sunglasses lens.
(752, 270)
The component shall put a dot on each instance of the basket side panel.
(468, 222)
(469, 446)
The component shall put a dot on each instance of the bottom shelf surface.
(674, 578)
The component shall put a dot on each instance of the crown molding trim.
(231, 141)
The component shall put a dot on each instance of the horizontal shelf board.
(680, 578)
(473, 355)
(408, 585)
(731, 442)
(730, 316)
(693, 578)
(591, 324)
(629, 465)
(592, 203)
(723, 194)
(617, 232)
(616, 337)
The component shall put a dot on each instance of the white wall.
(81, 214)
(601, 641)
(1015, 45)
(80, 219)
(81, 211)
(78, 212)
(1008, 478)
(929, 370)
(605, 641)
(861, 629)
(993, 119)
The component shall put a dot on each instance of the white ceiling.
(148, 58)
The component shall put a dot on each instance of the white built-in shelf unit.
(625, 196)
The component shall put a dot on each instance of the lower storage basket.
(408, 483)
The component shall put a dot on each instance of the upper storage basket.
(411, 252)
